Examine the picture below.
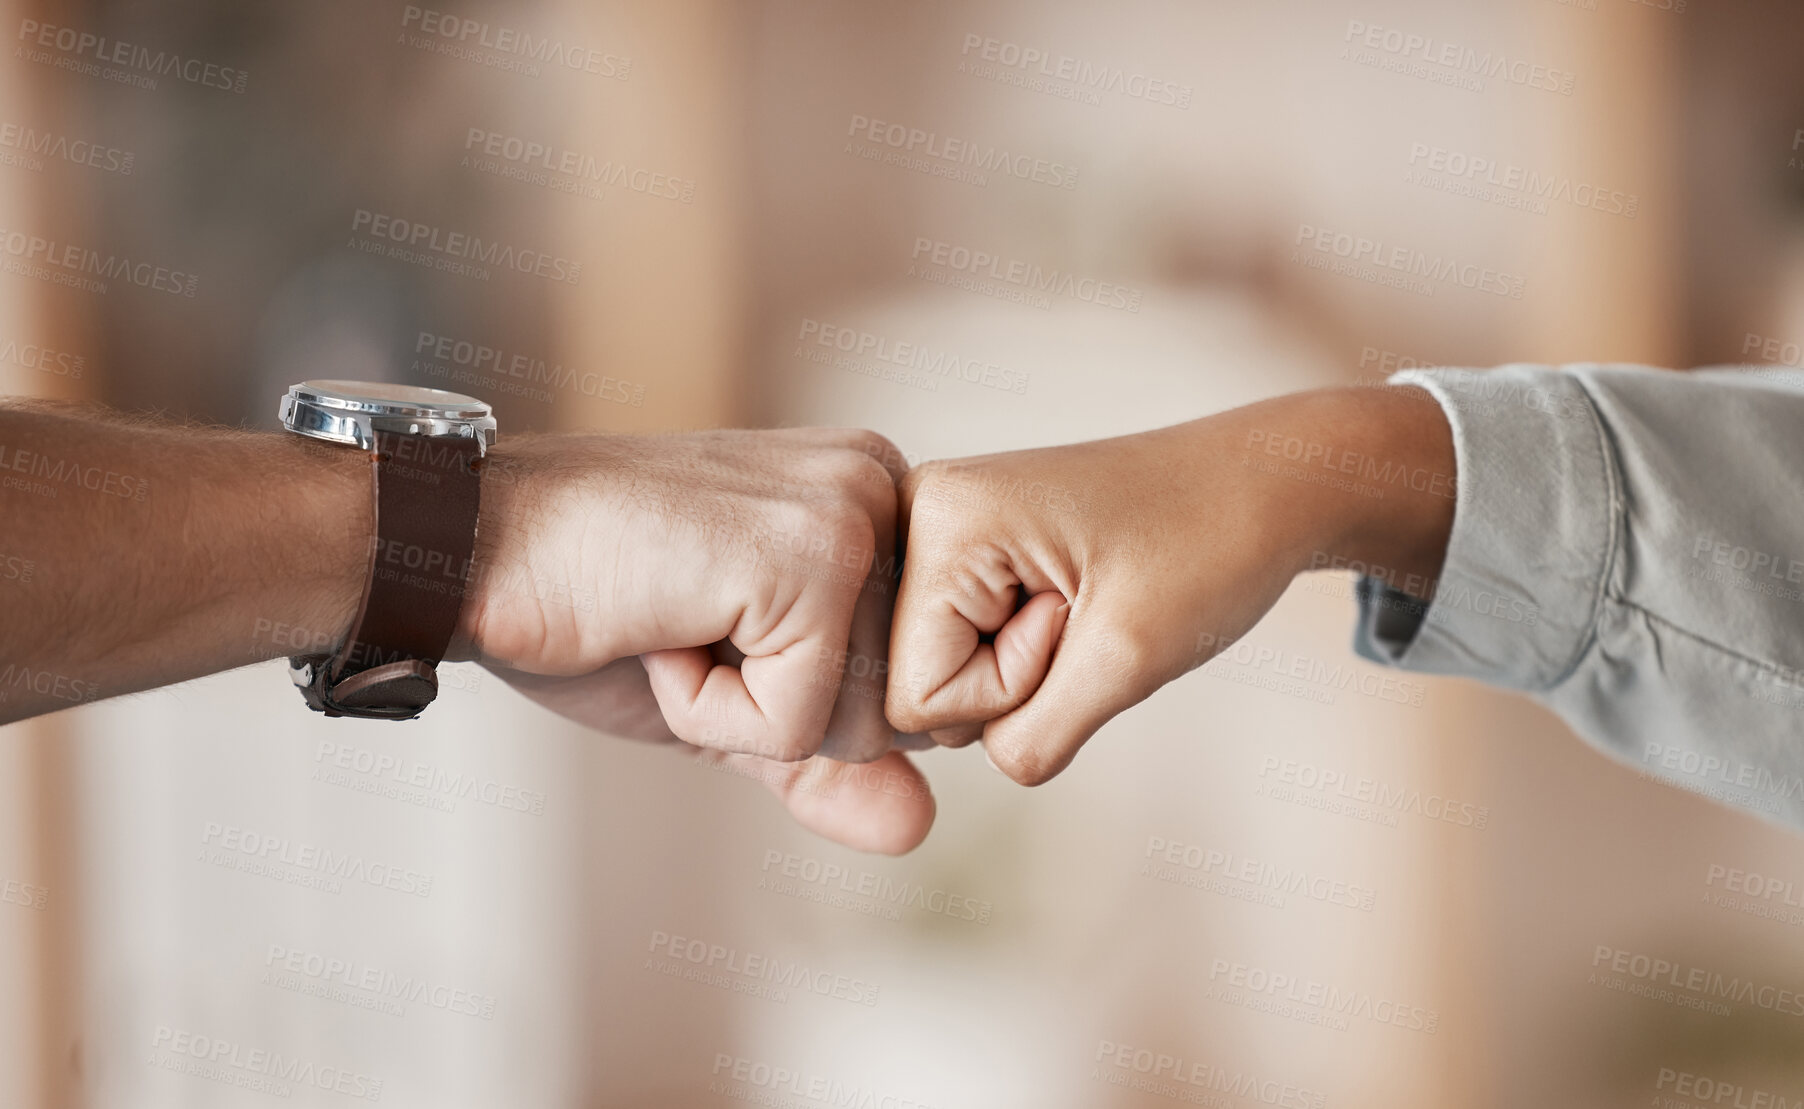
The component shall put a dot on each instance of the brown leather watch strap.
(428, 494)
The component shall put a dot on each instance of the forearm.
(1407, 456)
(1357, 478)
(145, 554)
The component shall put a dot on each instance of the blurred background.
(774, 212)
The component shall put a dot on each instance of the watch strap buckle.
(393, 691)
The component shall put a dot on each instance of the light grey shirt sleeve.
(1628, 548)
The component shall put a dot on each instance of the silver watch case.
(351, 412)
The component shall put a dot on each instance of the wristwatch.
(426, 449)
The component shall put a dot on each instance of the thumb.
(884, 806)
(1096, 674)
(944, 674)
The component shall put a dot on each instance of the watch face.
(355, 412)
(386, 398)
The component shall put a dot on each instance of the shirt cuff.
(1535, 531)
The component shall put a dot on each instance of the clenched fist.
(729, 589)
(1045, 591)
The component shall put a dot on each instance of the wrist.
(1391, 513)
(498, 553)
(547, 532)
(299, 517)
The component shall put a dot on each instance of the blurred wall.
(749, 208)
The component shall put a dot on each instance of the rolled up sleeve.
(1627, 547)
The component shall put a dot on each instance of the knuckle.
(962, 735)
(879, 449)
(906, 714)
(845, 524)
(852, 471)
(906, 703)
(923, 478)
(929, 490)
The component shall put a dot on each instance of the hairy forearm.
(134, 554)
